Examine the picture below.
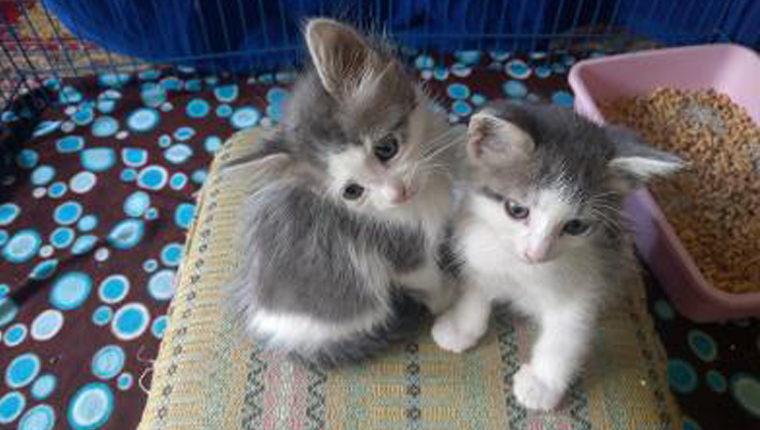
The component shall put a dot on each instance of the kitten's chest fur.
(428, 212)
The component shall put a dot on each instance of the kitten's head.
(362, 120)
(548, 181)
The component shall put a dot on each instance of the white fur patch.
(289, 330)
(349, 166)
(464, 324)
(561, 294)
(539, 234)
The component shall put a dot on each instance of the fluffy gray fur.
(304, 252)
(310, 242)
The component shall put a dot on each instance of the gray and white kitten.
(540, 227)
(354, 211)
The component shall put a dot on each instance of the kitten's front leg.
(465, 323)
(556, 358)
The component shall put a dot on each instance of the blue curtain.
(262, 33)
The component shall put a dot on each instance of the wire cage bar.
(42, 40)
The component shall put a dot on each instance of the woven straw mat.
(206, 378)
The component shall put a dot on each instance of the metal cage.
(37, 47)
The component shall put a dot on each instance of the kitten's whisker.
(442, 137)
(439, 171)
(607, 219)
(607, 193)
(434, 164)
(415, 163)
(607, 208)
(434, 144)
(449, 131)
(440, 149)
(433, 139)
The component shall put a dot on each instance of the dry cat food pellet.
(714, 205)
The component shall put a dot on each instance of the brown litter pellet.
(714, 205)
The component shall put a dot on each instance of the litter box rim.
(656, 239)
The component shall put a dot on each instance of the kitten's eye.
(353, 191)
(515, 210)
(576, 227)
(386, 148)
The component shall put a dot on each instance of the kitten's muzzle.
(396, 192)
(533, 259)
(537, 254)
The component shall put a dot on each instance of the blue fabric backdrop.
(265, 32)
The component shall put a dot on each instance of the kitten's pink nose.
(396, 193)
(538, 249)
(530, 258)
(536, 255)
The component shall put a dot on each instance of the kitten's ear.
(635, 162)
(340, 55)
(494, 139)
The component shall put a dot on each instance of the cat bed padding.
(206, 378)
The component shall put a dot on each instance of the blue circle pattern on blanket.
(130, 321)
(70, 144)
(47, 324)
(137, 203)
(22, 370)
(198, 108)
(22, 246)
(143, 120)
(113, 289)
(62, 237)
(127, 233)
(8, 213)
(44, 269)
(161, 285)
(40, 417)
(44, 386)
(124, 381)
(42, 175)
(84, 244)
(108, 362)
(105, 126)
(57, 189)
(112, 302)
(15, 335)
(70, 290)
(153, 177)
(11, 406)
(102, 315)
(82, 182)
(27, 158)
(91, 407)
(98, 159)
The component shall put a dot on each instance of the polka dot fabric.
(92, 225)
(711, 367)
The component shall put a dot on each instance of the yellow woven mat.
(206, 379)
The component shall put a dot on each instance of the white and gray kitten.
(540, 227)
(354, 212)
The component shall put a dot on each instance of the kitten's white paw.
(532, 393)
(450, 337)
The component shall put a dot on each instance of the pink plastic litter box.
(726, 68)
